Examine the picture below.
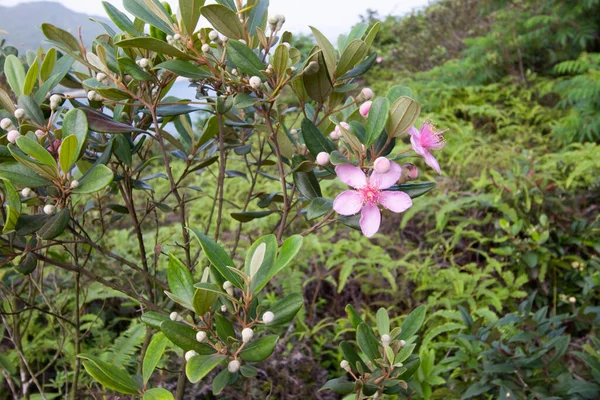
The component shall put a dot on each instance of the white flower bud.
(49, 209)
(572, 300)
(367, 93)
(345, 365)
(26, 192)
(19, 113)
(177, 37)
(223, 308)
(74, 184)
(201, 336)
(213, 36)
(294, 131)
(55, 98)
(92, 95)
(402, 343)
(228, 287)
(255, 82)
(247, 334)
(233, 366)
(323, 158)
(174, 316)
(12, 136)
(273, 19)
(190, 354)
(144, 63)
(268, 317)
(243, 41)
(40, 133)
(286, 44)
(101, 76)
(386, 339)
(169, 38)
(234, 72)
(6, 123)
(205, 48)
(382, 165)
(280, 21)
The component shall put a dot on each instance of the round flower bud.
(205, 48)
(101, 76)
(55, 98)
(345, 365)
(174, 316)
(386, 339)
(273, 19)
(243, 41)
(234, 72)
(177, 37)
(344, 125)
(40, 133)
(190, 354)
(227, 285)
(572, 300)
(233, 366)
(169, 38)
(6, 123)
(367, 93)
(74, 184)
(402, 343)
(92, 95)
(201, 336)
(335, 135)
(294, 131)
(280, 20)
(12, 136)
(26, 192)
(382, 165)
(223, 308)
(247, 334)
(255, 82)
(144, 63)
(365, 108)
(323, 158)
(49, 209)
(213, 36)
(268, 317)
(19, 113)
(410, 172)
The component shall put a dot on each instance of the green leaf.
(35, 151)
(152, 12)
(315, 141)
(395, 92)
(55, 225)
(339, 385)
(224, 328)
(307, 184)
(32, 109)
(48, 64)
(244, 100)
(190, 14)
(288, 251)
(154, 319)
(67, 153)
(353, 54)
(99, 122)
(247, 216)
(361, 68)
(224, 20)
(61, 37)
(31, 78)
(383, 321)
(353, 316)
(318, 85)
(184, 336)
(219, 258)
(109, 376)
(128, 66)
(97, 178)
(185, 69)
(318, 207)
(280, 60)
(180, 280)
(352, 356)
(286, 309)
(21, 175)
(414, 190)
(411, 325)
(62, 68)
(329, 52)
(154, 353)
(200, 366)
(259, 264)
(222, 379)
(258, 16)
(403, 114)
(244, 59)
(155, 45)
(367, 341)
(15, 74)
(405, 352)
(377, 119)
(260, 349)
(157, 394)
(204, 300)
(75, 123)
(119, 19)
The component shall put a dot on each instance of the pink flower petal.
(413, 131)
(395, 201)
(370, 219)
(432, 162)
(351, 175)
(384, 181)
(415, 140)
(349, 202)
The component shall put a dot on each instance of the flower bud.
(243, 41)
(286, 44)
(247, 334)
(386, 339)
(174, 316)
(273, 19)
(213, 36)
(201, 336)
(365, 108)
(255, 82)
(234, 72)
(268, 317)
(228, 287)
(6, 123)
(19, 113)
(280, 21)
(345, 365)
(101, 76)
(382, 165)
(144, 63)
(74, 184)
(177, 37)
(40, 133)
(572, 300)
(169, 38)
(92, 95)
(190, 354)
(323, 158)
(49, 209)
(345, 125)
(410, 172)
(335, 135)
(223, 308)
(205, 48)
(12, 136)
(294, 131)
(55, 98)
(26, 192)
(233, 366)
(366, 93)
(402, 343)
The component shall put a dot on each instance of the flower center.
(370, 193)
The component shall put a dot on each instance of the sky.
(332, 17)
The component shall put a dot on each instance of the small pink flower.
(323, 158)
(365, 108)
(368, 194)
(382, 165)
(425, 140)
(379, 60)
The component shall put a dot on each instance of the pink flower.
(368, 194)
(365, 108)
(425, 140)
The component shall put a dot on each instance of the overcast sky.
(332, 17)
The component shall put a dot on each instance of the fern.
(123, 351)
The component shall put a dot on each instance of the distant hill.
(23, 22)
